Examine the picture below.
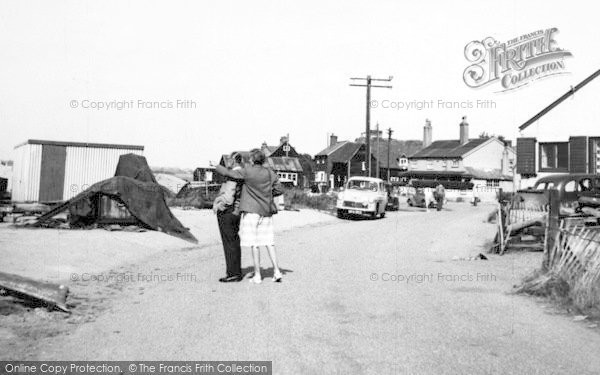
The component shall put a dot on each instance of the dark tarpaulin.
(144, 200)
(142, 196)
(134, 166)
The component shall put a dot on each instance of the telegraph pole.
(368, 85)
(378, 153)
(390, 131)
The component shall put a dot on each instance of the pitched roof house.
(340, 160)
(488, 160)
(284, 160)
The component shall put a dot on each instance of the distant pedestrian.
(227, 207)
(257, 206)
(439, 195)
(428, 197)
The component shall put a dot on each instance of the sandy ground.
(56, 255)
(362, 296)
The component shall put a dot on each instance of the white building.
(487, 162)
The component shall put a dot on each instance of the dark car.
(417, 198)
(569, 186)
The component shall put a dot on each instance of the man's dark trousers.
(229, 225)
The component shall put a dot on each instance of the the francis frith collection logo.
(514, 63)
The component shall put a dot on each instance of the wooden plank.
(500, 229)
(553, 226)
(52, 295)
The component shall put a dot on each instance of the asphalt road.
(365, 296)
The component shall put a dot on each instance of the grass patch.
(574, 295)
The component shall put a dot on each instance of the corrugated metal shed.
(26, 172)
(87, 165)
(54, 171)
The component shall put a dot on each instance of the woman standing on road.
(257, 207)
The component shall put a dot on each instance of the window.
(362, 185)
(492, 183)
(554, 156)
(570, 186)
(454, 163)
(586, 184)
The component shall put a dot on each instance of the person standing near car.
(227, 208)
(257, 206)
(439, 194)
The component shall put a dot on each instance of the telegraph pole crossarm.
(368, 85)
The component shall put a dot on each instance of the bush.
(295, 198)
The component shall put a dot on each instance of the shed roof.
(80, 144)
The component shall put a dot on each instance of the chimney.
(427, 133)
(464, 131)
(283, 140)
(332, 139)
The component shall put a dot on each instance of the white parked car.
(362, 196)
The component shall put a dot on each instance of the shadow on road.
(265, 272)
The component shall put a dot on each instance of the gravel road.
(359, 296)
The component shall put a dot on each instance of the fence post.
(552, 229)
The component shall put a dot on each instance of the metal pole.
(389, 148)
(559, 100)
(368, 127)
(368, 117)
(378, 153)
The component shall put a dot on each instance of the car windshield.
(362, 185)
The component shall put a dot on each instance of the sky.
(193, 80)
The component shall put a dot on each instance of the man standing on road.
(439, 194)
(227, 208)
(261, 184)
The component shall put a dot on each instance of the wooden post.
(500, 230)
(553, 228)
